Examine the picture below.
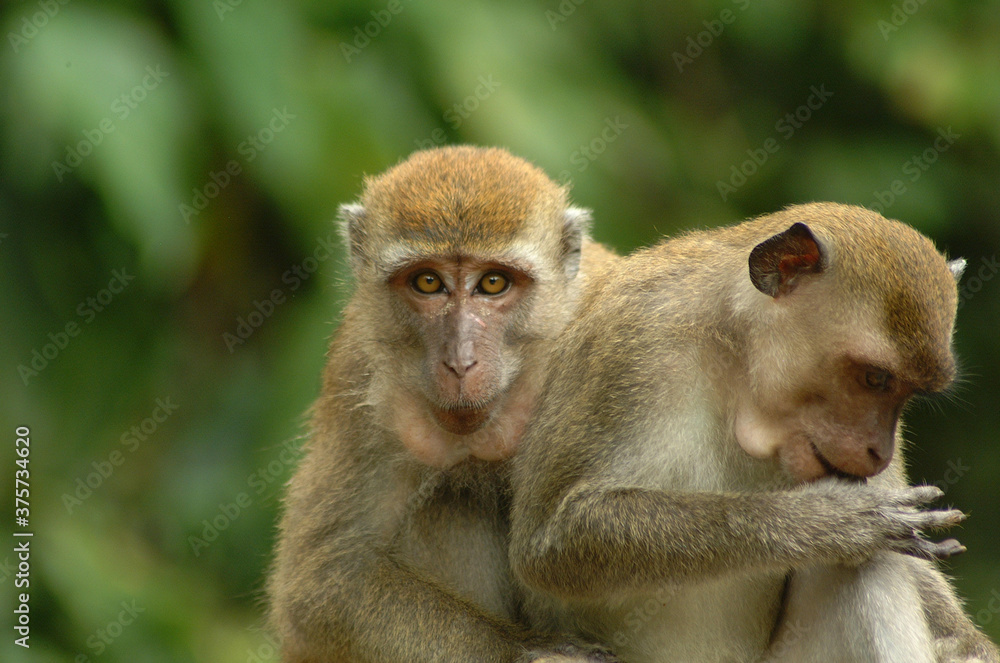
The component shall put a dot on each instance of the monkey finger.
(918, 546)
(939, 519)
(568, 658)
(918, 496)
(908, 519)
(548, 651)
(570, 654)
(949, 548)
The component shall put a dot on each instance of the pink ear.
(777, 263)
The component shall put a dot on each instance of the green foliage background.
(645, 106)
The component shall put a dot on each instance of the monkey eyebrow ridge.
(392, 266)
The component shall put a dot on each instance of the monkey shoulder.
(596, 259)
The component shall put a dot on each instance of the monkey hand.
(902, 510)
(873, 519)
(569, 653)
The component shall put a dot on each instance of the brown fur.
(381, 557)
(449, 200)
(669, 448)
(916, 291)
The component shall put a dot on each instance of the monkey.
(431, 488)
(710, 474)
(467, 263)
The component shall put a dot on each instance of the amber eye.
(427, 282)
(877, 380)
(493, 283)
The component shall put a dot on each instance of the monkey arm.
(375, 610)
(339, 589)
(331, 604)
(340, 593)
(602, 541)
(956, 638)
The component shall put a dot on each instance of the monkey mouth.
(831, 470)
(462, 419)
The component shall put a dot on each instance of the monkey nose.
(460, 356)
(879, 458)
(459, 366)
(866, 462)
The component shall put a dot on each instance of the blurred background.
(169, 274)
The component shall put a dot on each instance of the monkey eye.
(877, 380)
(427, 283)
(493, 283)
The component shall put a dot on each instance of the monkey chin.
(444, 434)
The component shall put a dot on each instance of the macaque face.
(465, 314)
(841, 346)
(844, 424)
(463, 259)
(835, 405)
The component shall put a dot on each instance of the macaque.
(712, 475)
(467, 265)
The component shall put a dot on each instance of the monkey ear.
(777, 263)
(576, 227)
(957, 267)
(350, 217)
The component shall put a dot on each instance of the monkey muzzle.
(462, 420)
(831, 470)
